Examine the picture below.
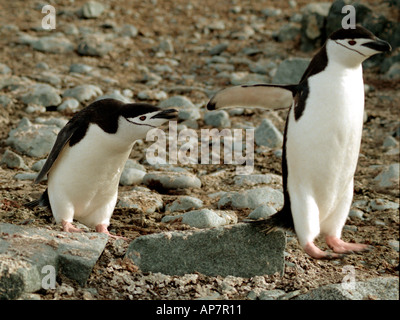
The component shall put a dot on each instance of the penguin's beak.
(166, 114)
(378, 45)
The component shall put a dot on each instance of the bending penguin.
(85, 164)
(321, 140)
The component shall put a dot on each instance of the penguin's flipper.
(266, 96)
(62, 139)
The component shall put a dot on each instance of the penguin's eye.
(351, 42)
(142, 118)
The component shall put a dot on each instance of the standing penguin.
(321, 140)
(85, 164)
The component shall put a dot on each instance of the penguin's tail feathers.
(282, 220)
(43, 201)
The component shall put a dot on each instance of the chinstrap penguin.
(322, 138)
(86, 162)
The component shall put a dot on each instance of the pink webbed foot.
(68, 227)
(340, 246)
(313, 251)
(102, 228)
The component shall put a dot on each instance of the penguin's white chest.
(323, 144)
(84, 179)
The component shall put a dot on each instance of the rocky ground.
(181, 52)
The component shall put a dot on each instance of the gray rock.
(171, 180)
(38, 165)
(177, 102)
(312, 25)
(211, 252)
(24, 252)
(25, 176)
(383, 204)
(271, 294)
(13, 160)
(184, 203)
(288, 32)
(290, 71)
(262, 212)
(254, 179)
(115, 95)
(141, 199)
(35, 140)
(80, 68)
(394, 244)
(129, 30)
(389, 177)
(83, 92)
(4, 69)
(393, 72)
(383, 288)
(217, 119)
(266, 134)
(189, 114)
(94, 45)
(43, 95)
(204, 218)
(243, 77)
(91, 9)
(53, 44)
(5, 101)
(69, 105)
(390, 142)
(218, 49)
(131, 176)
(252, 198)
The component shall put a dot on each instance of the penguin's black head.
(353, 46)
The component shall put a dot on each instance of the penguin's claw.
(102, 228)
(313, 251)
(340, 246)
(68, 227)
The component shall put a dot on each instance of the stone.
(129, 30)
(288, 32)
(131, 176)
(394, 244)
(244, 77)
(177, 102)
(13, 160)
(171, 180)
(389, 177)
(83, 92)
(53, 44)
(217, 119)
(262, 212)
(204, 218)
(80, 68)
(91, 10)
(394, 72)
(266, 134)
(69, 105)
(115, 95)
(4, 69)
(27, 253)
(290, 71)
(383, 204)
(184, 203)
(381, 288)
(35, 140)
(43, 95)
(94, 45)
(218, 49)
(252, 198)
(142, 199)
(254, 179)
(213, 252)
